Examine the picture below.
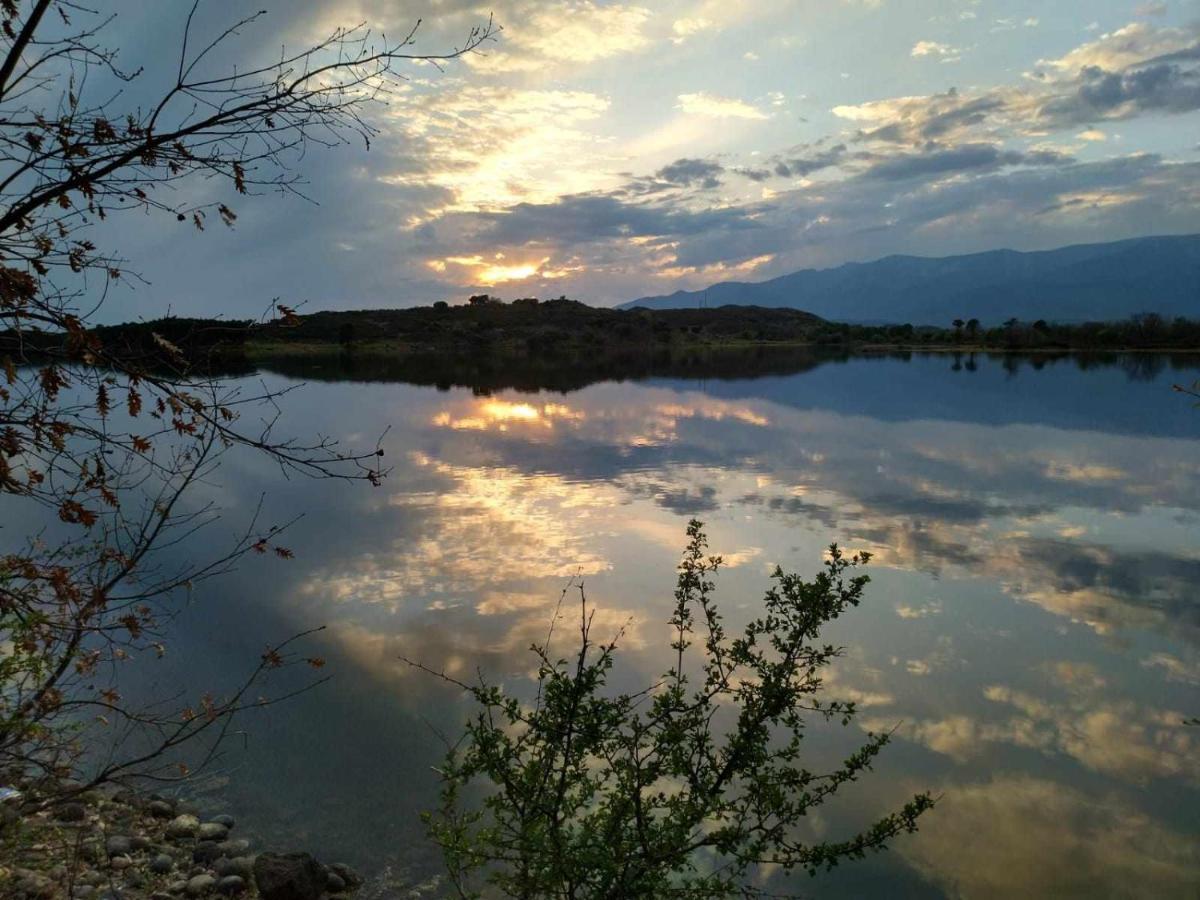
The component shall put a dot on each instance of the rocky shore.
(120, 845)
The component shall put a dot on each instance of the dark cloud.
(938, 160)
(585, 218)
(799, 167)
(1163, 86)
(687, 172)
(755, 174)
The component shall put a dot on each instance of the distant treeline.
(562, 324)
(544, 327)
(607, 338)
(1147, 331)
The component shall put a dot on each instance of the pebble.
(334, 883)
(118, 845)
(200, 885)
(207, 853)
(177, 887)
(72, 812)
(160, 809)
(231, 884)
(184, 826)
(234, 848)
(120, 863)
(139, 842)
(83, 891)
(238, 865)
(162, 864)
(212, 831)
(225, 820)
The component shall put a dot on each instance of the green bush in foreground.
(683, 789)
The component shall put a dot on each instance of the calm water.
(1032, 624)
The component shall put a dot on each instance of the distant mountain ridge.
(1071, 284)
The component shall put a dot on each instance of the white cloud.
(1133, 44)
(715, 107)
(683, 29)
(566, 34)
(944, 52)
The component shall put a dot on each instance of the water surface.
(1032, 625)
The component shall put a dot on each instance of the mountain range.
(1085, 282)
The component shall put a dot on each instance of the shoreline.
(112, 843)
(260, 350)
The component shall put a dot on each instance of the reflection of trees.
(498, 370)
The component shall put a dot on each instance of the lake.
(1031, 627)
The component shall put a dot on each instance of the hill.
(1086, 282)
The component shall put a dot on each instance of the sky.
(608, 151)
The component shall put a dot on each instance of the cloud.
(565, 34)
(683, 29)
(687, 172)
(1155, 8)
(944, 52)
(533, 161)
(491, 145)
(937, 161)
(1099, 94)
(715, 107)
(1132, 45)
(1130, 72)
(802, 166)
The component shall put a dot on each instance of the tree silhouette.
(105, 436)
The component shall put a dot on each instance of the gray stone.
(200, 885)
(231, 884)
(207, 853)
(83, 891)
(160, 809)
(334, 883)
(162, 864)
(91, 877)
(227, 821)
(238, 865)
(234, 848)
(212, 831)
(72, 812)
(118, 845)
(291, 876)
(177, 887)
(120, 863)
(184, 826)
(139, 842)
(347, 874)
